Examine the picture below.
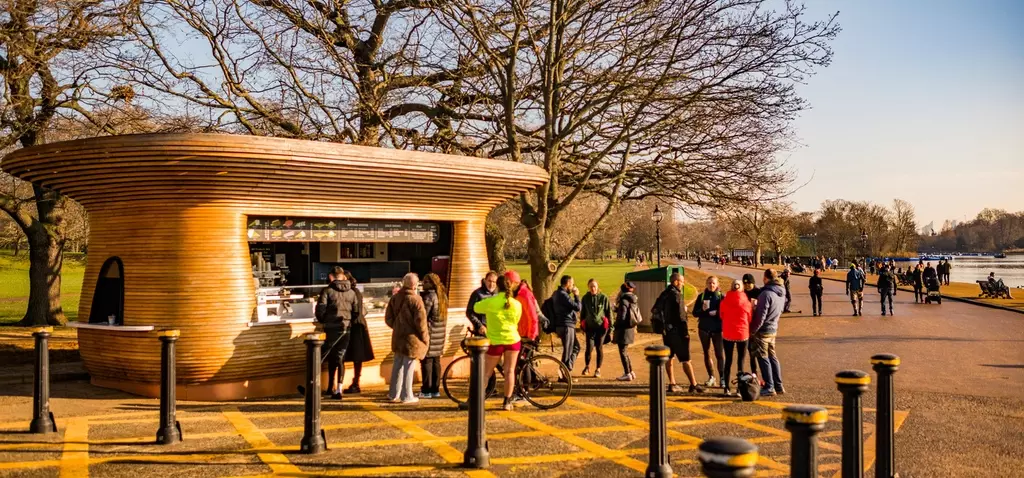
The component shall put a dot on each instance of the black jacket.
(437, 324)
(918, 276)
(337, 305)
(886, 281)
(707, 321)
(624, 333)
(673, 309)
(478, 320)
(816, 285)
(753, 293)
(567, 308)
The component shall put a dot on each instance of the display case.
(377, 294)
(284, 303)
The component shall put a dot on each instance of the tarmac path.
(961, 377)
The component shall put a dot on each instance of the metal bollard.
(804, 422)
(170, 430)
(42, 417)
(477, 454)
(314, 440)
(885, 365)
(658, 462)
(727, 458)
(853, 383)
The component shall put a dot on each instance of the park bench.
(986, 291)
(993, 291)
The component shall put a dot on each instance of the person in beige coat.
(407, 317)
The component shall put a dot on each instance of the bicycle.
(542, 380)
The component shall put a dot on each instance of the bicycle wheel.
(455, 381)
(544, 382)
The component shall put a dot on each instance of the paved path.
(962, 376)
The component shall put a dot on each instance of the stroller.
(931, 284)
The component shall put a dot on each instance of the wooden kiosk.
(226, 238)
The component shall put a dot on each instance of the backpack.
(658, 317)
(547, 314)
(748, 387)
(634, 314)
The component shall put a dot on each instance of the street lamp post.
(864, 243)
(657, 216)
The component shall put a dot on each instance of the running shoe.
(353, 389)
(507, 405)
(695, 389)
(675, 388)
(711, 382)
(626, 377)
(767, 392)
(597, 373)
(435, 395)
(336, 395)
(779, 389)
(586, 371)
(411, 401)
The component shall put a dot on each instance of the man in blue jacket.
(855, 280)
(763, 327)
(567, 308)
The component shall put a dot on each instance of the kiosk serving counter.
(202, 233)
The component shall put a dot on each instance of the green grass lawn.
(609, 274)
(14, 285)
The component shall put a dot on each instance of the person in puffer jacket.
(764, 325)
(435, 300)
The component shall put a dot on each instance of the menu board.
(286, 229)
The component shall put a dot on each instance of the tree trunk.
(46, 257)
(757, 255)
(495, 243)
(538, 254)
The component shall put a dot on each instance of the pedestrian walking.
(627, 317)
(886, 285)
(699, 266)
(529, 322)
(503, 313)
(335, 309)
(671, 307)
(407, 317)
(855, 281)
(785, 283)
(566, 301)
(709, 328)
(764, 325)
(360, 349)
(817, 288)
(596, 322)
(918, 277)
(435, 301)
(477, 322)
(736, 312)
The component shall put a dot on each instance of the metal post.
(657, 235)
(313, 438)
(170, 430)
(804, 422)
(885, 365)
(657, 464)
(42, 417)
(727, 458)
(477, 455)
(852, 383)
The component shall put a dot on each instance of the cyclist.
(477, 322)
(502, 313)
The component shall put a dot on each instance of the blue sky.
(924, 101)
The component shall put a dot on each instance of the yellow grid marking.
(644, 424)
(277, 462)
(567, 436)
(446, 451)
(74, 460)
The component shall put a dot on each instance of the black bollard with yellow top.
(804, 422)
(313, 438)
(477, 455)
(727, 458)
(658, 462)
(170, 430)
(42, 417)
(853, 383)
(885, 365)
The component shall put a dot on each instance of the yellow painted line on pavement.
(74, 460)
(614, 455)
(644, 424)
(743, 422)
(870, 453)
(446, 451)
(277, 462)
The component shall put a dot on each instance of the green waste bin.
(649, 285)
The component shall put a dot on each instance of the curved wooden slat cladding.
(173, 208)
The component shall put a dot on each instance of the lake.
(971, 269)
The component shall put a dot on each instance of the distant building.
(928, 230)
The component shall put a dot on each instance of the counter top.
(308, 320)
(118, 328)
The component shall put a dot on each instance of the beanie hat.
(748, 278)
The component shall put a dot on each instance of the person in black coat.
(627, 317)
(567, 305)
(918, 276)
(335, 309)
(360, 349)
(435, 300)
(817, 291)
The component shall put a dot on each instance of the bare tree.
(780, 231)
(686, 100)
(46, 49)
(904, 227)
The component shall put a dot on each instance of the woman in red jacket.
(529, 325)
(735, 312)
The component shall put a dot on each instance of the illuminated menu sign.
(288, 229)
